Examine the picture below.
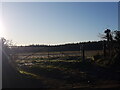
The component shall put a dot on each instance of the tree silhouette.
(117, 39)
(108, 36)
(112, 46)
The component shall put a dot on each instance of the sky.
(57, 22)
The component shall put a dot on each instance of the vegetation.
(111, 50)
(95, 45)
(64, 65)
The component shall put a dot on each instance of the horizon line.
(59, 43)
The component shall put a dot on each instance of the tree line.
(94, 45)
(110, 44)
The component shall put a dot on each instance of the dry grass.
(58, 54)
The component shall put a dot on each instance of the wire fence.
(47, 55)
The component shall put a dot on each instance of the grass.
(29, 74)
(68, 69)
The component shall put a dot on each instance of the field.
(66, 70)
(58, 54)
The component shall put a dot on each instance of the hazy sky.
(56, 23)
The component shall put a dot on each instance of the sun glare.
(1, 29)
